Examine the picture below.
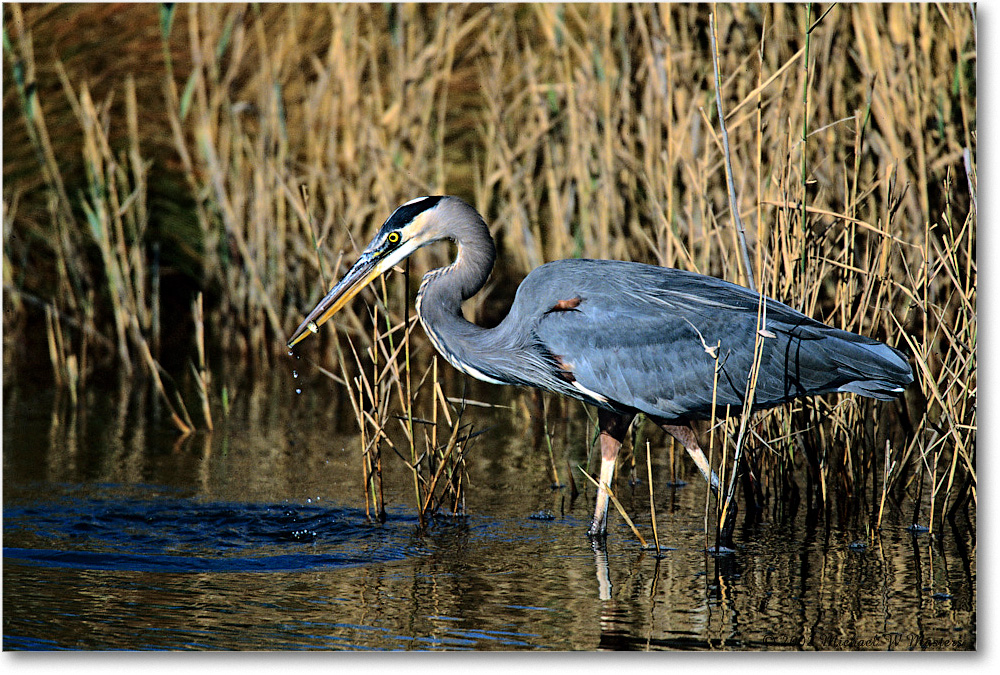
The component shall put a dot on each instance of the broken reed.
(577, 130)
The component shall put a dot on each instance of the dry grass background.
(207, 170)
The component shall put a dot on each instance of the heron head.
(411, 226)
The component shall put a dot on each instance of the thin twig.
(733, 206)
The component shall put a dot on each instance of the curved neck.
(442, 291)
(501, 355)
(447, 287)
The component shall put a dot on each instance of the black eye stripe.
(403, 216)
(410, 210)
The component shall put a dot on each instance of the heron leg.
(613, 429)
(685, 434)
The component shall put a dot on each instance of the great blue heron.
(624, 337)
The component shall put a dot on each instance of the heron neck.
(450, 286)
(442, 291)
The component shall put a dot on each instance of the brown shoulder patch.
(566, 305)
(565, 371)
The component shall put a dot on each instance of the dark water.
(119, 535)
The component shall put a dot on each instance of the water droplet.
(295, 374)
(298, 390)
(291, 353)
(313, 327)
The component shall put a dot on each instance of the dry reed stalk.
(733, 206)
(553, 473)
(711, 449)
(652, 504)
(353, 385)
(55, 355)
(409, 390)
(805, 135)
(425, 507)
(178, 414)
(199, 369)
(446, 460)
(372, 452)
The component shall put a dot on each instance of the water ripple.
(186, 535)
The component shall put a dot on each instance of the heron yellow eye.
(393, 238)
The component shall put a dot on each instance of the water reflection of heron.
(625, 337)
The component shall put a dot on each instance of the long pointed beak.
(367, 268)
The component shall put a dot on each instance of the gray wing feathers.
(643, 336)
